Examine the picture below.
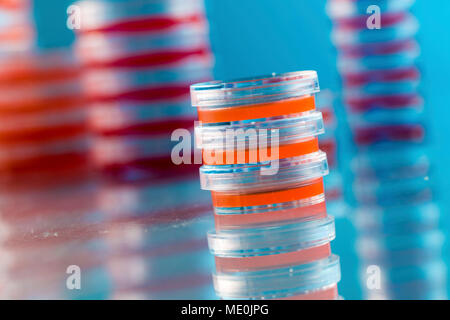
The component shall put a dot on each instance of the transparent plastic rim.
(290, 130)
(249, 177)
(271, 208)
(277, 283)
(275, 87)
(272, 240)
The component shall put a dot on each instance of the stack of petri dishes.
(265, 171)
(393, 189)
(140, 57)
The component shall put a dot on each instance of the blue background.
(256, 37)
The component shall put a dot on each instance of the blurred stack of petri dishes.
(139, 58)
(393, 190)
(16, 29)
(265, 171)
(46, 183)
(43, 120)
(328, 143)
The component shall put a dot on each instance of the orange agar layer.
(222, 200)
(305, 147)
(257, 111)
(231, 221)
(272, 261)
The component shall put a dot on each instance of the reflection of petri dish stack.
(396, 214)
(16, 31)
(43, 232)
(273, 234)
(140, 58)
(329, 144)
(43, 116)
(157, 247)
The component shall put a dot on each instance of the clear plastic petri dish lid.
(272, 240)
(264, 176)
(289, 130)
(278, 283)
(338, 9)
(242, 92)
